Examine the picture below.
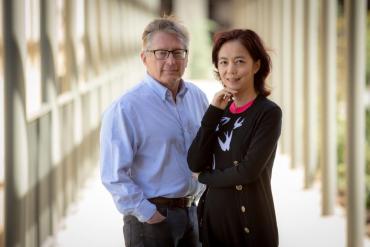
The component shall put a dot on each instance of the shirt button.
(243, 209)
(239, 187)
(236, 162)
(246, 229)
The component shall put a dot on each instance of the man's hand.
(156, 218)
(195, 175)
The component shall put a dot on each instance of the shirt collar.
(161, 90)
(183, 89)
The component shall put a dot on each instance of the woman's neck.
(241, 99)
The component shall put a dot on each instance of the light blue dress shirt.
(144, 141)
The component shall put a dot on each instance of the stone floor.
(94, 221)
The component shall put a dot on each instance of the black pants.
(179, 229)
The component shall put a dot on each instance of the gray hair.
(167, 24)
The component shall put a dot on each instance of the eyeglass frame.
(168, 53)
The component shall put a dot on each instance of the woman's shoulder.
(267, 103)
(268, 106)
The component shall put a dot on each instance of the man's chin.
(171, 79)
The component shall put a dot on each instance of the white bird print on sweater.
(224, 120)
(225, 145)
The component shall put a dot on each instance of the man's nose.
(170, 59)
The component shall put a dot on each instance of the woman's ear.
(256, 66)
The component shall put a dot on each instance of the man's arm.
(117, 150)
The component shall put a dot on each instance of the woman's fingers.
(228, 93)
(222, 97)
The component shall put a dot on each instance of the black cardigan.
(249, 159)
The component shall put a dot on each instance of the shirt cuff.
(145, 211)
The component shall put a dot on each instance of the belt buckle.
(189, 201)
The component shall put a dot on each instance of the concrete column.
(310, 109)
(285, 78)
(328, 117)
(49, 53)
(276, 51)
(91, 46)
(16, 149)
(2, 168)
(2, 159)
(259, 11)
(49, 48)
(2, 140)
(40, 134)
(200, 65)
(103, 26)
(252, 10)
(67, 111)
(266, 19)
(267, 23)
(239, 18)
(297, 83)
(356, 31)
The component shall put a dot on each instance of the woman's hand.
(222, 97)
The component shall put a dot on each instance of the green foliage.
(367, 146)
(341, 132)
(341, 156)
(367, 151)
(368, 52)
(200, 65)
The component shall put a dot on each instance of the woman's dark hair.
(254, 45)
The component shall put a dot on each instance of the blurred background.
(64, 61)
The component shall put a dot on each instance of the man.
(145, 136)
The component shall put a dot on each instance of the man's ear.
(143, 57)
(256, 66)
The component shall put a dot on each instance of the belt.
(182, 202)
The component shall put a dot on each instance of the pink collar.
(235, 110)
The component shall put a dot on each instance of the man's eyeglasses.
(178, 54)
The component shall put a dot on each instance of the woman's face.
(236, 66)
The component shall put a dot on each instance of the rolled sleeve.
(144, 211)
(116, 158)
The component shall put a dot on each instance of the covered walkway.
(62, 62)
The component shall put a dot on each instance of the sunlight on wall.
(2, 161)
(33, 66)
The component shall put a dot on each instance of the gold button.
(243, 209)
(236, 162)
(239, 187)
(246, 229)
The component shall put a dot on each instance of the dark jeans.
(179, 229)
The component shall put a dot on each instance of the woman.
(234, 150)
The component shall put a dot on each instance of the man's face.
(167, 71)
